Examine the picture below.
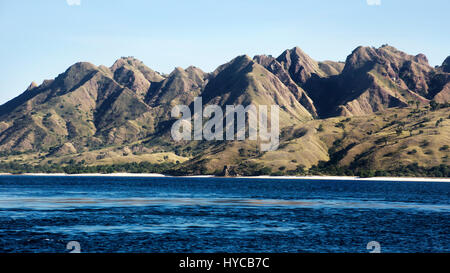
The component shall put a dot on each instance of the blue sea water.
(123, 214)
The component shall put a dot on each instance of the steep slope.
(439, 86)
(373, 80)
(446, 65)
(84, 105)
(243, 81)
(48, 114)
(180, 87)
(133, 74)
(278, 70)
(331, 68)
(299, 65)
(387, 141)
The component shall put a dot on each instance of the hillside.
(381, 112)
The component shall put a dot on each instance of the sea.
(97, 214)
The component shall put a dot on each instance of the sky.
(41, 39)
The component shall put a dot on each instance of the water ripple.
(68, 203)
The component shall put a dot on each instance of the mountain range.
(380, 110)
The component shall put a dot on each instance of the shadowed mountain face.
(299, 65)
(446, 65)
(91, 107)
(135, 75)
(279, 71)
(374, 79)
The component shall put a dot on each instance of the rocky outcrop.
(133, 74)
(244, 81)
(278, 70)
(180, 87)
(66, 148)
(374, 79)
(299, 65)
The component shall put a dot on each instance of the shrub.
(340, 125)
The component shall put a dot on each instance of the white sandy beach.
(337, 178)
(328, 178)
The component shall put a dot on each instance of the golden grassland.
(382, 141)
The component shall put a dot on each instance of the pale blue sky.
(40, 39)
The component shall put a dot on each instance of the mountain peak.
(388, 47)
(238, 63)
(127, 64)
(32, 86)
(367, 52)
(264, 60)
(82, 66)
(446, 65)
(298, 51)
(79, 69)
(421, 58)
(242, 58)
(178, 69)
(195, 72)
(75, 74)
(132, 61)
(295, 51)
(193, 68)
(299, 65)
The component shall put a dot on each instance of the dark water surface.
(122, 214)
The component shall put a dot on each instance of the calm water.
(108, 214)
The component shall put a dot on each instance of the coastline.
(329, 178)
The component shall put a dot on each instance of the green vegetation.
(78, 168)
(444, 148)
(323, 168)
(412, 170)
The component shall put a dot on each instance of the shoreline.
(156, 175)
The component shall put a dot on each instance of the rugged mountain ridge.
(374, 79)
(89, 108)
